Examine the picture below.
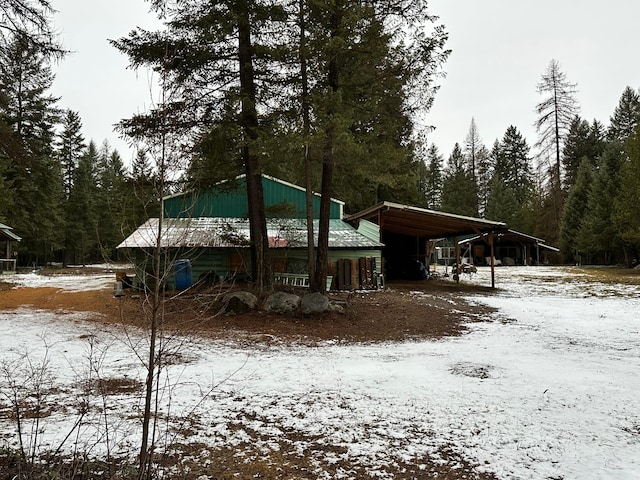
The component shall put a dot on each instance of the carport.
(403, 226)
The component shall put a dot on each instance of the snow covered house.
(211, 230)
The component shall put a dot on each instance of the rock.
(236, 303)
(336, 307)
(282, 302)
(314, 303)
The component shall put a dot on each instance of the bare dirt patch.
(408, 310)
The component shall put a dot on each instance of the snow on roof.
(6, 233)
(212, 232)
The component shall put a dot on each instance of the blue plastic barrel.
(183, 274)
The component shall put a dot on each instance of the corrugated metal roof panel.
(7, 234)
(234, 232)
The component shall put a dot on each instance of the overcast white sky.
(502, 47)
(500, 50)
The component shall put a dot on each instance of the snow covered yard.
(546, 388)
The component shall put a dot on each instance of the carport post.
(493, 263)
(456, 246)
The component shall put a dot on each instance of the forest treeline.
(329, 86)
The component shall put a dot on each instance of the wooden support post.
(493, 261)
(456, 245)
(427, 255)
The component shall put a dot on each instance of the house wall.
(230, 262)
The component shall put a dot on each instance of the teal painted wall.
(229, 202)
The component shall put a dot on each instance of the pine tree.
(110, 199)
(598, 236)
(626, 116)
(471, 147)
(514, 164)
(626, 214)
(70, 147)
(502, 204)
(82, 213)
(575, 211)
(576, 148)
(458, 188)
(484, 167)
(432, 186)
(6, 185)
(29, 117)
(141, 193)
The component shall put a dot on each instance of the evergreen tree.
(598, 236)
(510, 189)
(71, 147)
(484, 173)
(472, 145)
(576, 148)
(432, 186)
(575, 211)
(514, 165)
(6, 186)
(140, 200)
(82, 214)
(626, 116)
(626, 214)
(110, 199)
(502, 204)
(433, 183)
(459, 194)
(28, 116)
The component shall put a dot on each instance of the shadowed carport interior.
(402, 227)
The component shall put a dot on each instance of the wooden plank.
(354, 275)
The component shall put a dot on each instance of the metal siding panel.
(233, 204)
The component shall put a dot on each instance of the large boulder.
(314, 303)
(282, 303)
(236, 303)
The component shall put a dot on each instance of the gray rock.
(336, 307)
(236, 303)
(282, 302)
(314, 303)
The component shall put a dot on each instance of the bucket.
(183, 274)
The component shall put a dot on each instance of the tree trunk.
(308, 184)
(328, 160)
(260, 263)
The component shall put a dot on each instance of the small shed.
(7, 238)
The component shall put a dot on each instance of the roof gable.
(228, 199)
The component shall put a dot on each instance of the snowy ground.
(549, 387)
